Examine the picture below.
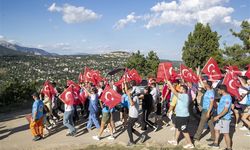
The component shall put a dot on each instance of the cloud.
(72, 14)
(131, 18)
(189, 12)
(183, 12)
(1, 37)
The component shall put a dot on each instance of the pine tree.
(138, 62)
(152, 62)
(239, 54)
(201, 44)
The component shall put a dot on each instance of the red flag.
(248, 72)
(134, 75)
(93, 76)
(76, 87)
(82, 97)
(232, 84)
(234, 69)
(166, 71)
(188, 75)
(48, 89)
(110, 97)
(212, 70)
(81, 78)
(68, 96)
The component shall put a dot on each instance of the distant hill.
(27, 50)
(9, 52)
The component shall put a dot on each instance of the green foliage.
(138, 62)
(239, 54)
(152, 62)
(201, 44)
(145, 66)
(16, 92)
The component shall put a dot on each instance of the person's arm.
(210, 108)
(242, 82)
(87, 92)
(225, 110)
(172, 88)
(131, 102)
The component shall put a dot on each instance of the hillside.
(9, 52)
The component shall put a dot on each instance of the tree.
(239, 54)
(152, 62)
(138, 62)
(202, 44)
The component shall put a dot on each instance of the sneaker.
(213, 145)
(156, 128)
(210, 140)
(96, 138)
(36, 138)
(188, 146)
(167, 124)
(143, 137)
(244, 128)
(173, 142)
(111, 137)
(130, 143)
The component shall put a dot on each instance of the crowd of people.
(174, 103)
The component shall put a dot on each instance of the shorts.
(223, 126)
(181, 123)
(105, 117)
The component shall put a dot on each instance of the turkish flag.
(166, 71)
(188, 75)
(232, 84)
(234, 69)
(68, 96)
(247, 74)
(81, 78)
(75, 86)
(134, 75)
(212, 70)
(48, 89)
(93, 76)
(110, 97)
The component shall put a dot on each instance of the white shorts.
(223, 126)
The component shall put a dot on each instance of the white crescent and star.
(209, 66)
(230, 84)
(183, 72)
(106, 96)
(67, 95)
(170, 70)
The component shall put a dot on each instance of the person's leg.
(177, 134)
(40, 127)
(33, 128)
(101, 129)
(131, 123)
(227, 140)
(148, 122)
(217, 135)
(95, 120)
(54, 112)
(89, 124)
(187, 137)
(211, 127)
(110, 129)
(245, 119)
(143, 120)
(112, 121)
(66, 121)
(201, 126)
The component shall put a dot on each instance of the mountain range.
(7, 48)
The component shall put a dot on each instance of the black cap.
(35, 94)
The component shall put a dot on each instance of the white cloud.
(131, 18)
(1, 37)
(184, 12)
(72, 14)
(189, 12)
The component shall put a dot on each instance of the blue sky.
(98, 26)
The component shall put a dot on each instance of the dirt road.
(15, 135)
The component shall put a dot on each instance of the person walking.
(36, 122)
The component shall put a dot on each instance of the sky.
(101, 26)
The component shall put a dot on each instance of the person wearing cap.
(36, 122)
(223, 118)
(207, 111)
